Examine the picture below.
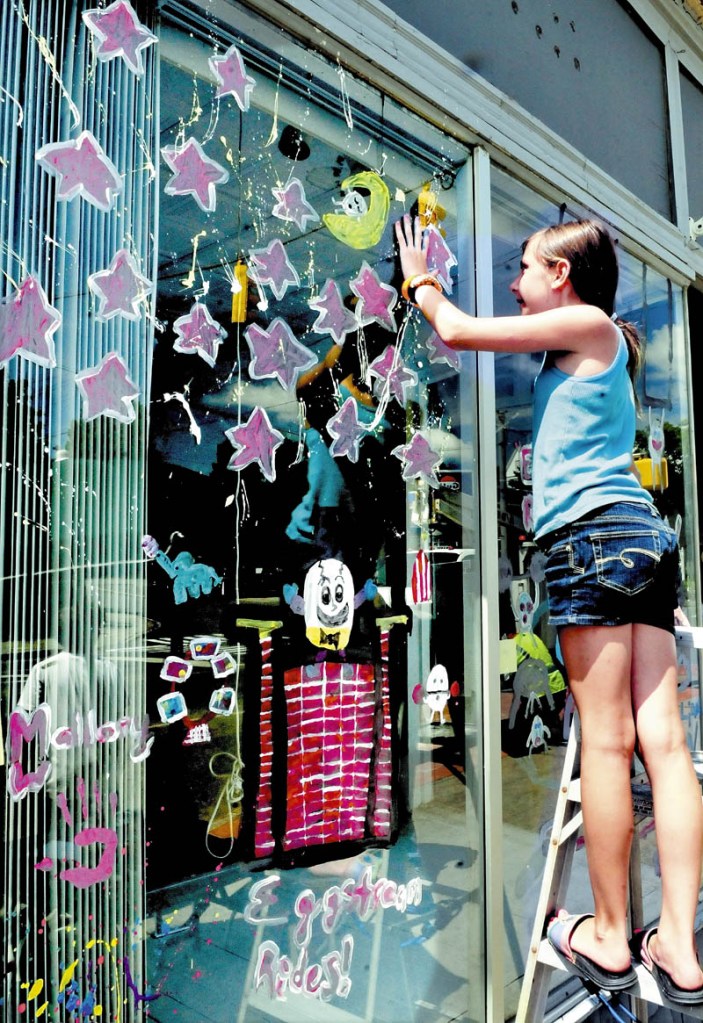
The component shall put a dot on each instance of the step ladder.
(541, 959)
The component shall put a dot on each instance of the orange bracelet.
(411, 284)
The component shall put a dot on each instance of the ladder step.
(645, 988)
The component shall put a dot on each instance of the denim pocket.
(626, 560)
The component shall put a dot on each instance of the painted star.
(256, 441)
(334, 318)
(347, 431)
(392, 371)
(420, 460)
(272, 267)
(438, 351)
(120, 34)
(232, 77)
(276, 353)
(82, 169)
(198, 333)
(121, 288)
(376, 299)
(440, 258)
(107, 390)
(27, 325)
(194, 174)
(292, 204)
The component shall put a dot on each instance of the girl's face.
(534, 285)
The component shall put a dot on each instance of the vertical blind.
(72, 512)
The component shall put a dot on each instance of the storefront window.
(313, 796)
(536, 686)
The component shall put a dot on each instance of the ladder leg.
(555, 881)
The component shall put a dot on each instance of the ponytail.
(635, 355)
(590, 251)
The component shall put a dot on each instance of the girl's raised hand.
(411, 246)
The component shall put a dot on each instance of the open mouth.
(330, 620)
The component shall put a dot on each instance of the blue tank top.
(583, 439)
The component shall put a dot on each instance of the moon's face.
(361, 225)
(328, 598)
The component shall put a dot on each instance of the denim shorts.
(618, 564)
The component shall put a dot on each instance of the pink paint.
(84, 877)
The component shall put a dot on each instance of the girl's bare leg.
(598, 661)
(678, 808)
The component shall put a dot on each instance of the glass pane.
(536, 683)
(313, 803)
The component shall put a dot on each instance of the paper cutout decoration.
(420, 460)
(194, 173)
(438, 351)
(440, 258)
(347, 432)
(361, 224)
(272, 267)
(333, 316)
(376, 299)
(198, 333)
(232, 78)
(256, 441)
(292, 205)
(275, 352)
(421, 579)
(28, 323)
(107, 390)
(120, 34)
(82, 169)
(121, 288)
(390, 369)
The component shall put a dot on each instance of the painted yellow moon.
(364, 231)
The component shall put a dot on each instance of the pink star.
(232, 77)
(438, 351)
(376, 300)
(440, 258)
(257, 442)
(27, 325)
(82, 169)
(121, 288)
(276, 353)
(197, 332)
(292, 204)
(194, 173)
(420, 460)
(107, 390)
(347, 431)
(119, 33)
(334, 318)
(272, 267)
(391, 370)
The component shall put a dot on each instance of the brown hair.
(590, 251)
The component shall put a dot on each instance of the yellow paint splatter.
(68, 975)
(48, 56)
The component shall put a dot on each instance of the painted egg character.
(328, 600)
(437, 694)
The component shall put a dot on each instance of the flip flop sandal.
(639, 946)
(559, 934)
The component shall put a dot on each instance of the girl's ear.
(561, 270)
